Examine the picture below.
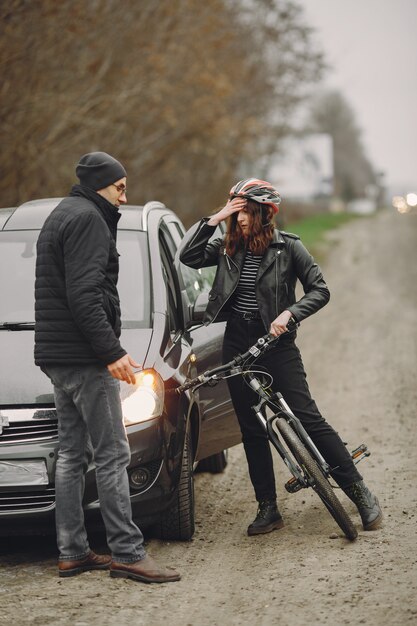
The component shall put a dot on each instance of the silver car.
(169, 435)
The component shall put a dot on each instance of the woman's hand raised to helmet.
(233, 206)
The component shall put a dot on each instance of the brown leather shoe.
(145, 570)
(91, 561)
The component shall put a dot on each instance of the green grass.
(312, 229)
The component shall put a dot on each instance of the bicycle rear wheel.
(318, 480)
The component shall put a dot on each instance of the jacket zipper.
(276, 280)
(227, 259)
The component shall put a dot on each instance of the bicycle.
(284, 429)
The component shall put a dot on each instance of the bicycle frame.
(240, 366)
(284, 430)
(277, 404)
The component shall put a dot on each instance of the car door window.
(201, 280)
(167, 248)
(176, 230)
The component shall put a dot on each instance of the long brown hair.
(262, 229)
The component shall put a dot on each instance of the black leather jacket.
(285, 261)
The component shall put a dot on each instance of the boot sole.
(274, 526)
(141, 578)
(375, 524)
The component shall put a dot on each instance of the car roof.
(31, 215)
(4, 215)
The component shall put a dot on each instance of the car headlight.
(143, 400)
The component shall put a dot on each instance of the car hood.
(23, 383)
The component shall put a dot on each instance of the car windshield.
(17, 277)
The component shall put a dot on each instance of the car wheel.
(178, 522)
(214, 464)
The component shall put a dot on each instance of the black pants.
(284, 363)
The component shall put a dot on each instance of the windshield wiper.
(17, 325)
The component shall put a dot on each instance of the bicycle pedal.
(360, 453)
(293, 485)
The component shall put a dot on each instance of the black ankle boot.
(268, 518)
(367, 503)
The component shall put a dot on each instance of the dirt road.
(361, 356)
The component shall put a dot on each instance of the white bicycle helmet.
(259, 190)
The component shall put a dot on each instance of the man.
(77, 345)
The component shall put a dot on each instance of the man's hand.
(279, 325)
(232, 206)
(122, 369)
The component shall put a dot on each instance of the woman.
(254, 289)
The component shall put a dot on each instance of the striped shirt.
(244, 296)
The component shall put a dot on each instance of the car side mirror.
(198, 309)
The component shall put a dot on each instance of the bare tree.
(179, 90)
(353, 172)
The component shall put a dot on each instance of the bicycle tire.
(320, 484)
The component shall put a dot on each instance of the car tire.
(215, 464)
(178, 522)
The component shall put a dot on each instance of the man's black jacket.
(285, 261)
(77, 309)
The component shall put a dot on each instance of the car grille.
(27, 500)
(30, 430)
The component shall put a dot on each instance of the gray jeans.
(88, 406)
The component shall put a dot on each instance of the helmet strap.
(265, 221)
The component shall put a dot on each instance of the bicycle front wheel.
(317, 479)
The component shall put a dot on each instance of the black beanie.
(97, 170)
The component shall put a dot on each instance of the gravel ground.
(361, 355)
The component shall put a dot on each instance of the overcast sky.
(372, 48)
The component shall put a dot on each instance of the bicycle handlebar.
(261, 345)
